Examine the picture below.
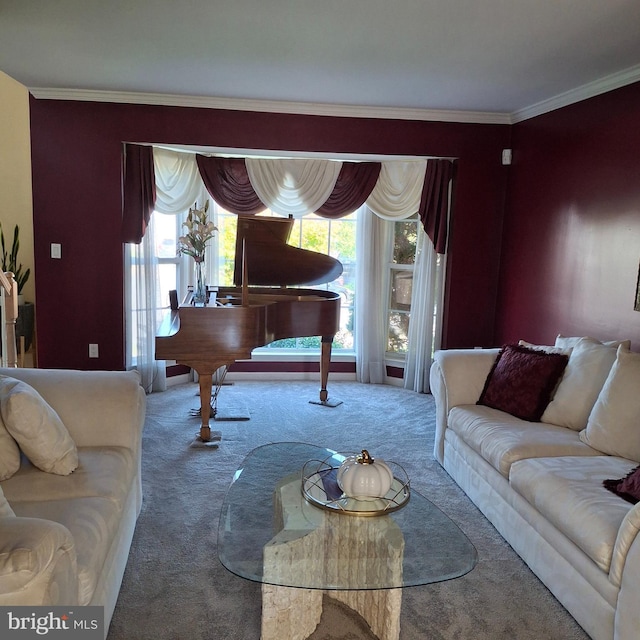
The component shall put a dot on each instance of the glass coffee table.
(269, 532)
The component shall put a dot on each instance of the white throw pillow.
(614, 424)
(5, 507)
(9, 453)
(565, 342)
(36, 427)
(589, 365)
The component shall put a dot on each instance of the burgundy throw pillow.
(522, 381)
(627, 487)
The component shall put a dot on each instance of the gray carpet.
(175, 588)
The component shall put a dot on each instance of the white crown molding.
(270, 106)
(590, 90)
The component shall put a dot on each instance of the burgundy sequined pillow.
(522, 381)
(627, 487)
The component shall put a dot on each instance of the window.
(166, 229)
(403, 257)
(336, 238)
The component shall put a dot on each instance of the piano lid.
(271, 261)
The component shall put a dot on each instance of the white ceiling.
(483, 56)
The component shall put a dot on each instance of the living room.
(545, 243)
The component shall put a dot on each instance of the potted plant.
(25, 320)
(10, 259)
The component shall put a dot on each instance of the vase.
(200, 296)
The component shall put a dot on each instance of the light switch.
(56, 250)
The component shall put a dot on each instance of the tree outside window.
(400, 285)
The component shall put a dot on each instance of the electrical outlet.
(93, 350)
(56, 250)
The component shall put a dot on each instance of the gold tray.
(320, 489)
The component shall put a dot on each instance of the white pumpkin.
(363, 477)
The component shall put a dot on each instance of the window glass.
(336, 238)
(165, 229)
(401, 285)
(403, 254)
(405, 238)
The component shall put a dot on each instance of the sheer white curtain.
(143, 315)
(425, 326)
(397, 197)
(372, 250)
(178, 187)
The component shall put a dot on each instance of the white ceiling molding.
(615, 81)
(271, 106)
(590, 90)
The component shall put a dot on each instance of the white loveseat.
(540, 483)
(65, 532)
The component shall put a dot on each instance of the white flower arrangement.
(199, 231)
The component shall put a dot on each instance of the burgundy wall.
(572, 224)
(76, 155)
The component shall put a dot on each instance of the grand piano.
(260, 308)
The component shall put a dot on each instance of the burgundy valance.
(227, 181)
(355, 183)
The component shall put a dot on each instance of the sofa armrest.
(627, 620)
(627, 535)
(99, 408)
(37, 563)
(457, 377)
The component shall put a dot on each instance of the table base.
(292, 613)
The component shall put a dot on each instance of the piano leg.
(325, 361)
(206, 382)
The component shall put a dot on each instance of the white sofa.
(65, 532)
(541, 484)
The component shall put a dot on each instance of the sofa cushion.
(36, 427)
(502, 439)
(522, 381)
(5, 508)
(101, 471)
(568, 492)
(587, 370)
(614, 424)
(9, 452)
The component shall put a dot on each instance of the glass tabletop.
(269, 532)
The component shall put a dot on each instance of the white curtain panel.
(178, 181)
(292, 187)
(143, 313)
(398, 189)
(424, 327)
(373, 247)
